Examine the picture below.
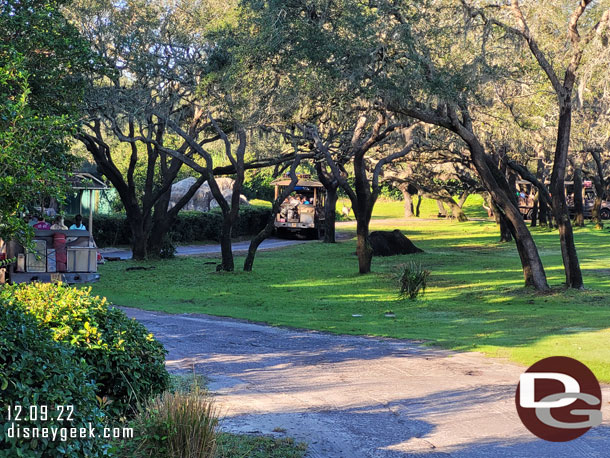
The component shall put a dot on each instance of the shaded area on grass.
(474, 300)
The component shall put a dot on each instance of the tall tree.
(563, 86)
(43, 61)
(154, 57)
(370, 132)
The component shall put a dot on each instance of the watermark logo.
(559, 399)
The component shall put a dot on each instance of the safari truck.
(55, 255)
(588, 195)
(302, 212)
(525, 198)
(526, 192)
(67, 256)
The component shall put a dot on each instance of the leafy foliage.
(127, 363)
(413, 280)
(32, 148)
(42, 65)
(257, 184)
(35, 371)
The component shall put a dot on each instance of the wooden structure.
(303, 210)
(82, 181)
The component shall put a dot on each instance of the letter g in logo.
(559, 399)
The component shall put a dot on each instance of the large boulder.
(391, 243)
(202, 200)
(228, 194)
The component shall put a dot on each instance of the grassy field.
(475, 299)
(385, 208)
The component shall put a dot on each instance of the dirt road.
(360, 397)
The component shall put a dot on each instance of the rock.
(227, 194)
(202, 200)
(391, 243)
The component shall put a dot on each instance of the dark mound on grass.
(391, 243)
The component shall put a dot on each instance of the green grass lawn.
(475, 299)
(385, 208)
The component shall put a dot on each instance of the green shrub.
(37, 371)
(110, 230)
(127, 362)
(177, 424)
(413, 280)
(258, 184)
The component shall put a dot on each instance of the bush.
(413, 280)
(127, 362)
(177, 424)
(258, 184)
(37, 371)
(110, 230)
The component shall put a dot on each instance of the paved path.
(197, 250)
(359, 397)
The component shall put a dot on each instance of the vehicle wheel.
(530, 214)
(320, 233)
(280, 233)
(604, 213)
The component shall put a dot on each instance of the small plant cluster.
(177, 424)
(127, 363)
(413, 280)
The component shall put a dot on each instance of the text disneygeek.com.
(54, 433)
(64, 413)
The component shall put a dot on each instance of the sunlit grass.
(475, 299)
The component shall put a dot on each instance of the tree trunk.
(139, 240)
(456, 210)
(505, 233)
(408, 201)
(463, 198)
(600, 184)
(330, 214)
(275, 209)
(497, 186)
(255, 243)
(597, 205)
(579, 211)
(534, 221)
(363, 245)
(330, 206)
(363, 209)
(442, 213)
(560, 207)
(161, 223)
(495, 183)
(226, 249)
(544, 218)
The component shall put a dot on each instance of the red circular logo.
(559, 399)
